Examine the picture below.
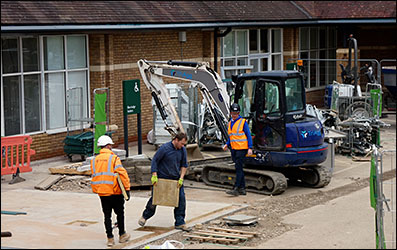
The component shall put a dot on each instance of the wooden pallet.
(221, 235)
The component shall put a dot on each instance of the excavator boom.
(208, 81)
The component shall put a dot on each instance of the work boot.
(110, 242)
(124, 237)
(233, 192)
(183, 227)
(141, 221)
(242, 191)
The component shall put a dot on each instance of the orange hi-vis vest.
(104, 168)
(238, 139)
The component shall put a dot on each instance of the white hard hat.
(104, 140)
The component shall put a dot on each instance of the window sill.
(64, 129)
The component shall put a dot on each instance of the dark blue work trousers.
(179, 212)
(238, 157)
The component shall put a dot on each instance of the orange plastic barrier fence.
(13, 151)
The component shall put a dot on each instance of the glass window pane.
(246, 102)
(10, 55)
(276, 62)
(332, 66)
(305, 55)
(242, 43)
(323, 37)
(254, 62)
(264, 41)
(323, 69)
(11, 109)
(230, 62)
(32, 96)
(253, 37)
(264, 64)
(304, 38)
(77, 82)
(276, 40)
(30, 50)
(53, 53)
(271, 99)
(242, 61)
(228, 44)
(313, 38)
(293, 92)
(331, 37)
(76, 52)
(55, 100)
(313, 70)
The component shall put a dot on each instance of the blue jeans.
(179, 212)
(238, 157)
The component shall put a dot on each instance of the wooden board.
(48, 182)
(226, 235)
(166, 193)
(232, 230)
(211, 239)
(69, 170)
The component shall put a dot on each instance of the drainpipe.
(216, 35)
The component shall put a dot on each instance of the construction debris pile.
(361, 132)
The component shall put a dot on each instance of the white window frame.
(42, 73)
(252, 56)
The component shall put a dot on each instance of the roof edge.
(93, 27)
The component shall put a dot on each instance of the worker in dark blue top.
(240, 143)
(170, 162)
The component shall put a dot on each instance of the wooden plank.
(226, 235)
(70, 170)
(232, 230)
(166, 193)
(211, 239)
(48, 182)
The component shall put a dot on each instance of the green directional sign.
(132, 97)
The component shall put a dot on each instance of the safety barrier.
(383, 192)
(14, 157)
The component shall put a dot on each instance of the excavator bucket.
(193, 152)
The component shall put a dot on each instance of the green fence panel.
(100, 129)
(100, 107)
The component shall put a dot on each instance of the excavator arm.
(210, 85)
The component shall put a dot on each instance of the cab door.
(269, 119)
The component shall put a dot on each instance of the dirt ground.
(269, 211)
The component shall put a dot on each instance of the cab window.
(294, 94)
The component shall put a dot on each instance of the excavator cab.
(269, 100)
(274, 104)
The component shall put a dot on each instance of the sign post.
(132, 105)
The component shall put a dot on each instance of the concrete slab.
(75, 220)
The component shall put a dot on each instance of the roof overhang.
(126, 27)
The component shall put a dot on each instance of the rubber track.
(279, 179)
(324, 174)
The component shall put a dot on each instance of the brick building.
(51, 46)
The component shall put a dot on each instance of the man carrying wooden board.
(106, 169)
(170, 162)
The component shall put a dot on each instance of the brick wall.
(113, 58)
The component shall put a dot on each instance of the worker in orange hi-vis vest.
(104, 169)
(240, 144)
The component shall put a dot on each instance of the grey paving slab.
(75, 220)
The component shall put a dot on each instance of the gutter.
(120, 27)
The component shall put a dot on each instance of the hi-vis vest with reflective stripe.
(104, 179)
(238, 139)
